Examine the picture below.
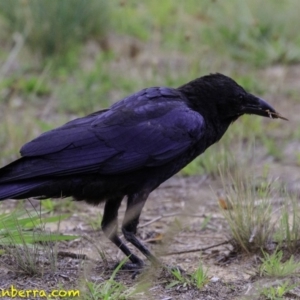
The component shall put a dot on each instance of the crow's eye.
(241, 97)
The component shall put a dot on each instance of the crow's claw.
(136, 268)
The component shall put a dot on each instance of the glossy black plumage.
(129, 149)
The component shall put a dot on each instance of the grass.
(250, 213)
(255, 222)
(58, 205)
(272, 265)
(253, 35)
(198, 278)
(23, 238)
(287, 234)
(95, 222)
(51, 27)
(107, 290)
(277, 292)
(24, 227)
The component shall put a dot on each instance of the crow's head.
(226, 98)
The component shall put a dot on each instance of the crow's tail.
(18, 181)
(21, 189)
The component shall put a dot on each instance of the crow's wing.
(149, 128)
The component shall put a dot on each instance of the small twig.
(64, 276)
(196, 250)
(151, 221)
(170, 215)
(72, 255)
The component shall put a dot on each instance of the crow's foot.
(135, 267)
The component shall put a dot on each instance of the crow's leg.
(135, 205)
(110, 227)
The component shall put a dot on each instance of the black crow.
(129, 149)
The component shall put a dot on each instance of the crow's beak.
(257, 106)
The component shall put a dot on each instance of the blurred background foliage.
(63, 59)
(54, 26)
(245, 30)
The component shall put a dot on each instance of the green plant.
(249, 216)
(253, 35)
(51, 205)
(109, 289)
(179, 279)
(288, 231)
(34, 85)
(53, 26)
(205, 222)
(198, 278)
(94, 222)
(209, 162)
(24, 227)
(277, 292)
(273, 149)
(22, 236)
(273, 266)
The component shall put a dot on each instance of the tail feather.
(20, 190)
(22, 168)
(12, 184)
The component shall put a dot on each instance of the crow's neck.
(206, 107)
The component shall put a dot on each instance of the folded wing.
(147, 129)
